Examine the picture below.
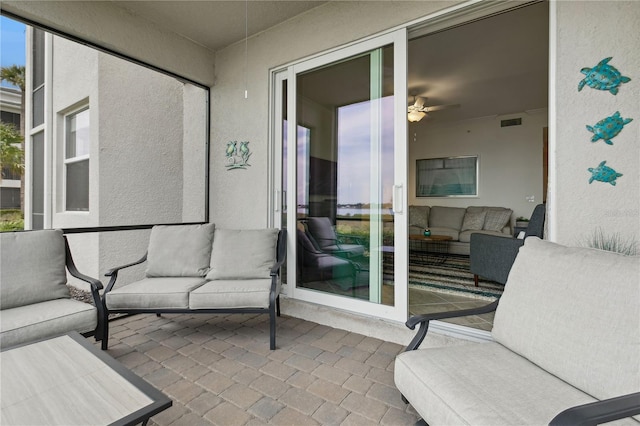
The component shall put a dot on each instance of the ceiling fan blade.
(441, 107)
(419, 103)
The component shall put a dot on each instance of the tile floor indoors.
(218, 370)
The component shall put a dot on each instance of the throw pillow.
(496, 219)
(179, 251)
(243, 254)
(473, 220)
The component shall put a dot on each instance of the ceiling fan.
(418, 110)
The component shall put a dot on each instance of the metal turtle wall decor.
(608, 128)
(603, 77)
(604, 173)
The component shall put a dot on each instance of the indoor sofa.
(200, 269)
(35, 302)
(459, 223)
(566, 333)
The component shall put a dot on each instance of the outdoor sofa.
(35, 302)
(200, 269)
(565, 349)
(459, 223)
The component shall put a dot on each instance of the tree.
(15, 75)
(11, 156)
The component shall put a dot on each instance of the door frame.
(398, 37)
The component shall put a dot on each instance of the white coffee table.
(67, 381)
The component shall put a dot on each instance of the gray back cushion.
(446, 217)
(179, 251)
(243, 254)
(575, 312)
(32, 268)
(322, 231)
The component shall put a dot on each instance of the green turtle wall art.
(604, 173)
(603, 77)
(608, 128)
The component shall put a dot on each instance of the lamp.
(415, 116)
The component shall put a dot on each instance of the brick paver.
(218, 370)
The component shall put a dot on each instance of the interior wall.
(509, 159)
(586, 33)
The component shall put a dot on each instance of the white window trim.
(73, 160)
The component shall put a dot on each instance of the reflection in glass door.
(341, 172)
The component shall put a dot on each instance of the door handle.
(398, 201)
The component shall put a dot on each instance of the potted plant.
(522, 222)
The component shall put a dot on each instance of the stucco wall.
(588, 32)
(509, 159)
(239, 198)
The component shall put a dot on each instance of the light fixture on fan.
(418, 111)
(415, 116)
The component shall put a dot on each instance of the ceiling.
(217, 24)
(494, 66)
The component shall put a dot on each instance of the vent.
(511, 122)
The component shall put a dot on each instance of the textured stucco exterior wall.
(587, 32)
(140, 144)
(239, 198)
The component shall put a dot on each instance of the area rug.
(452, 276)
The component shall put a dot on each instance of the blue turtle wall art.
(604, 173)
(608, 128)
(603, 77)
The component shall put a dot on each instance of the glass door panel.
(346, 183)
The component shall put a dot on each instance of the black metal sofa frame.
(274, 298)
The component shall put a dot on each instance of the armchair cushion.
(432, 382)
(32, 267)
(179, 251)
(243, 254)
(602, 333)
(45, 319)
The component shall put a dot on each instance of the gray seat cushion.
(45, 319)
(217, 294)
(154, 293)
(32, 267)
(481, 384)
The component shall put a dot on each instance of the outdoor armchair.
(323, 234)
(34, 298)
(564, 347)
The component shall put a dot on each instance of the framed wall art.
(447, 177)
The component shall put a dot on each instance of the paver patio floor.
(218, 370)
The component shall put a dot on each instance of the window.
(76, 160)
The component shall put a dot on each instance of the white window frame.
(73, 160)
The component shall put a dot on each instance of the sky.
(12, 43)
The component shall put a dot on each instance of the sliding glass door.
(340, 127)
